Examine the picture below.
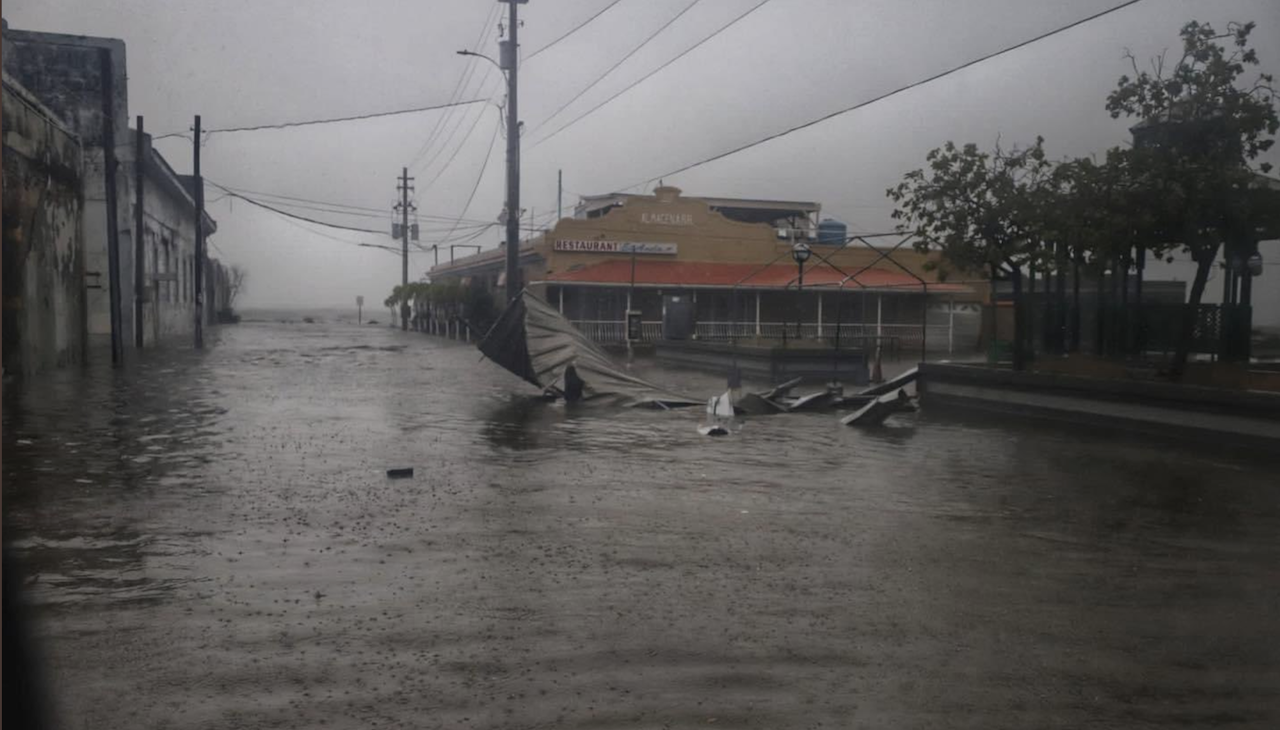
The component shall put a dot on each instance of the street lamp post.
(800, 252)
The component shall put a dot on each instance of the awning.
(713, 275)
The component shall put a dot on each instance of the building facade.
(44, 288)
(716, 268)
(168, 304)
(82, 81)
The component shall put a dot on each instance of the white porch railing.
(852, 334)
(603, 331)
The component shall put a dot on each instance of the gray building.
(44, 281)
(82, 81)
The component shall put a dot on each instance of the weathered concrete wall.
(168, 254)
(70, 75)
(44, 282)
(217, 290)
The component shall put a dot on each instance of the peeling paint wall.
(169, 236)
(66, 73)
(44, 282)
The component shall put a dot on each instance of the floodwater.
(210, 541)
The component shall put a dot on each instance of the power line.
(287, 214)
(464, 77)
(383, 215)
(483, 166)
(572, 30)
(637, 82)
(373, 211)
(615, 66)
(301, 200)
(305, 219)
(329, 120)
(475, 123)
(886, 95)
(449, 136)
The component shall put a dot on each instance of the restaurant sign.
(637, 247)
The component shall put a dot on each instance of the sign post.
(359, 309)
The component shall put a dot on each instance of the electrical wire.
(640, 80)
(615, 66)
(378, 211)
(464, 77)
(572, 30)
(483, 166)
(886, 95)
(456, 150)
(329, 120)
(452, 133)
(287, 214)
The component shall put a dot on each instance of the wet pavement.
(210, 541)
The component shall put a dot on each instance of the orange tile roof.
(711, 274)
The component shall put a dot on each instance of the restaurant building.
(715, 268)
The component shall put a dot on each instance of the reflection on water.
(213, 533)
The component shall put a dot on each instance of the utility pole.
(510, 61)
(198, 193)
(110, 166)
(404, 247)
(139, 243)
(559, 194)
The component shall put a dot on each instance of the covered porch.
(896, 318)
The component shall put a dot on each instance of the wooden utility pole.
(139, 241)
(404, 189)
(198, 194)
(509, 62)
(110, 167)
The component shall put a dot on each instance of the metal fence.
(892, 337)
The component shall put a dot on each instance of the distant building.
(169, 250)
(708, 267)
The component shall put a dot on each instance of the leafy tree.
(1201, 133)
(981, 211)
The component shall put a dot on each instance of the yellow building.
(711, 268)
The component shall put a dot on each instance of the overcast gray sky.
(242, 62)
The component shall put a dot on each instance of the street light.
(800, 253)
(1254, 264)
(481, 55)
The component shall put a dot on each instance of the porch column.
(879, 317)
(757, 314)
(819, 314)
(951, 324)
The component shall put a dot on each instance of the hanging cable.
(895, 92)
(480, 176)
(464, 77)
(640, 80)
(615, 66)
(572, 30)
(329, 120)
(475, 123)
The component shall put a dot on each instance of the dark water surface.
(210, 541)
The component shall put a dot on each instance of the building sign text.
(667, 219)
(640, 248)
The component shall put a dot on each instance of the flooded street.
(211, 541)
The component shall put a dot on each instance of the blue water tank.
(832, 232)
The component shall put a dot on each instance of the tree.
(237, 277)
(981, 211)
(1201, 132)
